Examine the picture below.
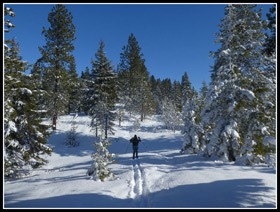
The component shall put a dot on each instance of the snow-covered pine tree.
(86, 90)
(234, 115)
(166, 89)
(71, 137)
(73, 88)
(270, 97)
(104, 93)
(158, 96)
(57, 58)
(8, 12)
(136, 124)
(133, 80)
(99, 170)
(203, 93)
(171, 116)
(24, 134)
(270, 42)
(120, 113)
(37, 84)
(155, 95)
(176, 94)
(186, 89)
(144, 104)
(192, 129)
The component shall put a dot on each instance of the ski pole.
(144, 145)
(126, 148)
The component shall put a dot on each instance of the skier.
(135, 141)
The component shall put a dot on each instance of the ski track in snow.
(138, 189)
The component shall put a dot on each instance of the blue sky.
(174, 38)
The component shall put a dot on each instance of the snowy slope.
(160, 178)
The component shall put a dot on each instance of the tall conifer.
(104, 93)
(57, 58)
(24, 133)
(134, 87)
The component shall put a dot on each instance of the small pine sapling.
(71, 139)
(136, 125)
(99, 170)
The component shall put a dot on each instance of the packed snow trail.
(138, 191)
(136, 181)
(162, 178)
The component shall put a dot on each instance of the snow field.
(160, 178)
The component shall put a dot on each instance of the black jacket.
(135, 141)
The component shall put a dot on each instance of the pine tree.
(144, 99)
(37, 84)
(73, 89)
(234, 115)
(104, 92)
(25, 135)
(192, 129)
(186, 88)
(177, 95)
(71, 139)
(269, 99)
(166, 89)
(158, 96)
(7, 23)
(270, 42)
(170, 115)
(203, 93)
(86, 90)
(57, 58)
(99, 170)
(133, 80)
(157, 93)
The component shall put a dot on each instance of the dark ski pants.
(135, 151)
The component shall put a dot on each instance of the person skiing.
(135, 141)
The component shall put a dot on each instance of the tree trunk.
(54, 121)
(106, 125)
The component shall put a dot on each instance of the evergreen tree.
(234, 115)
(144, 103)
(104, 92)
(133, 80)
(166, 89)
(170, 115)
(86, 91)
(203, 93)
(24, 133)
(7, 23)
(192, 129)
(99, 170)
(57, 58)
(177, 95)
(186, 88)
(73, 89)
(157, 93)
(270, 42)
(71, 139)
(37, 84)
(158, 96)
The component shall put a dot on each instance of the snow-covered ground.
(160, 178)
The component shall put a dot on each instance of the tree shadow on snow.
(238, 193)
(85, 147)
(90, 200)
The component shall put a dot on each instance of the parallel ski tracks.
(138, 188)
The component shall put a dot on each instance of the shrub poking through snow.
(99, 170)
(71, 139)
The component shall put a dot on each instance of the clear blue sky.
(174, 38)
